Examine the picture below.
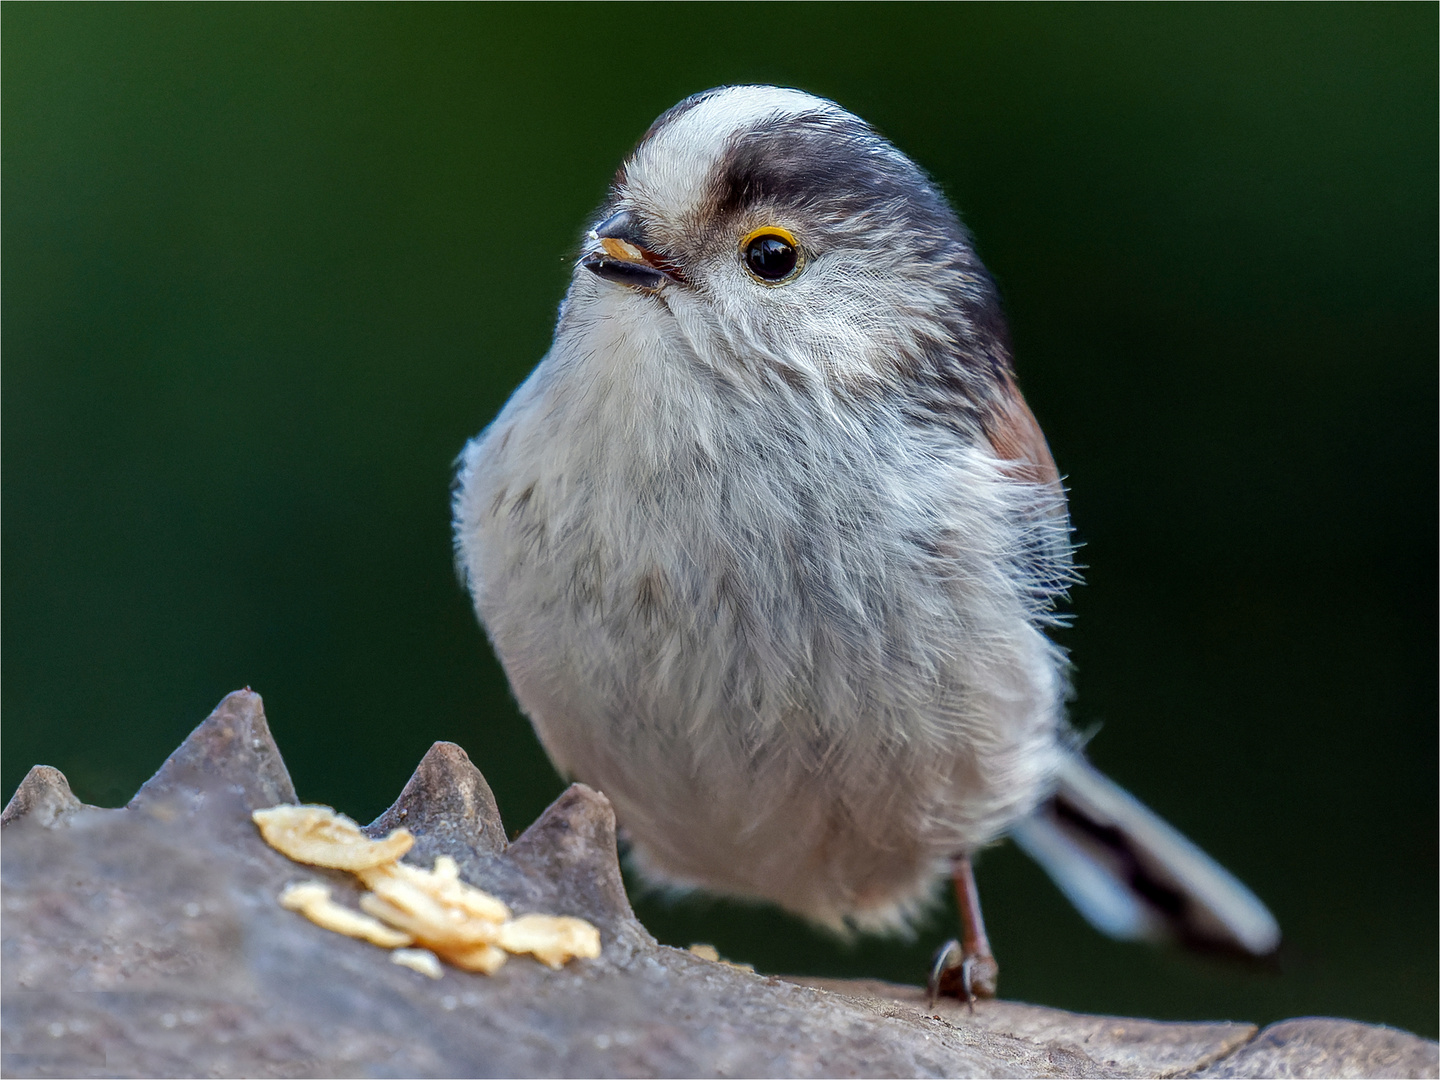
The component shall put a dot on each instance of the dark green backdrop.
(267, 267)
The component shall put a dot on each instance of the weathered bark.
(147, 941)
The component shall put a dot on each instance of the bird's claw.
(956, 974)
(946, 959)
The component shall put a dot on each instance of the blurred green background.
(267, 267)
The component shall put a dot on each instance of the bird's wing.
(1045, 549)
(1134, 876)
(1015, 435)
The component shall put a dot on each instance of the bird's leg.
(966, 968)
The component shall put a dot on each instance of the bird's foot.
(963, 975)
(965, 969)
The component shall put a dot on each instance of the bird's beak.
(614, 252)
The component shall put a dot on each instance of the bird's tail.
(1134, 876)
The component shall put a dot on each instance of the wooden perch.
(148, 941)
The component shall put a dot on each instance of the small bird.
(769, 542)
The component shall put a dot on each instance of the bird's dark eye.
(770, 254)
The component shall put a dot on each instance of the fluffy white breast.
(743, 619)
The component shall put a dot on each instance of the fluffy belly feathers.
(786, 695)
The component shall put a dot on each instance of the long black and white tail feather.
(1133, 876)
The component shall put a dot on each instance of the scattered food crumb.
(319, 836)
(422, 960)
(709, 952)
(312, 899)
(551, 939)
(408, 905)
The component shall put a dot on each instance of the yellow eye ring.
(771, 255)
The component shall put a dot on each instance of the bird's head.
(777, 231)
